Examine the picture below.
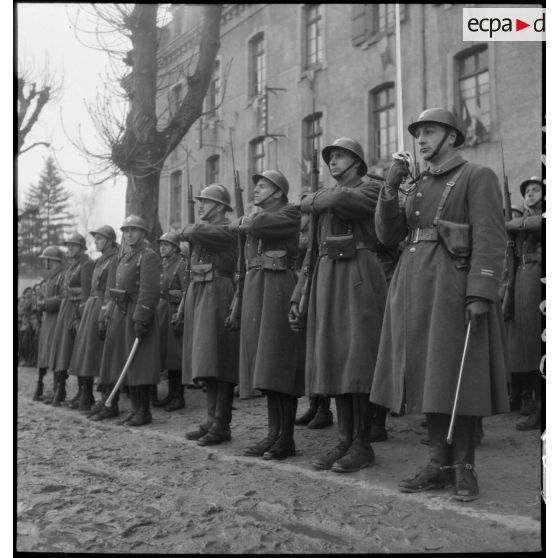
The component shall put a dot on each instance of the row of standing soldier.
(370, 349)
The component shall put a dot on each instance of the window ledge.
(309, 73)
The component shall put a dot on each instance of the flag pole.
(398, 80)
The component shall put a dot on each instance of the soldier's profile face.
(132, 235)
(339, 161)
(100, 242)
(533, 194)
(263, 190)
(165, 249)
(73, 250)
(206, 208)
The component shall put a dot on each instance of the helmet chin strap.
(439, 146)
(344, 171)
(266, 198)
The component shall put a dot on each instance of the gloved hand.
(102, 330)
(177, 324)
(397, 173)
(141, 330)
(474, 312)
(295, 319)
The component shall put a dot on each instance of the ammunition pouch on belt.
(341, 247)
(272, 260)
(202, 273)
(456, 237)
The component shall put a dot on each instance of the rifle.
(509, 287)
(233, 320)
(312, 250)
(191, 202)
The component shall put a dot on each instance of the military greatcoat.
(51, 291)
(173, 283)
(270, 352)
(210, 350)
(134, 300)
(88, 347)
(347, 297)
(524, 330)
(75, 291)
(424, 329)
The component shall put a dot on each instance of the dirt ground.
(97, 487)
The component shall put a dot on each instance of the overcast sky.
(44, 32)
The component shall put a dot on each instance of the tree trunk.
(142, 199)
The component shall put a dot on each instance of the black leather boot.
(153, 395)
(479, 431)
(177, 400)
(344, 407)
(134, 400)
(143, 415)
(434, 475)
(99, 405)
(211, 403)
(38, 395)
(60, 393)
(323, 417)
(515, 390)
(49, 397)
(533, 421)
(73, 403)
(379, 415)
(360, 454)
(284, 446)
(463, 449)
(273, 427)
(107, 412)
(305, 418)
(87, 399)
(220, 430)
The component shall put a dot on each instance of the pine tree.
(46, 216)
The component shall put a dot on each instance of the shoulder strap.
(449, 185)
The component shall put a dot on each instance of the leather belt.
(529, 258)
(423, 235)
(359, 245)
(256, 262)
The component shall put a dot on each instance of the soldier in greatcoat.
(318, 415)
(346, 303)
(49, 304)
(524, 317)
(173, 283)
(75, 291)
(88, 347)
(132, 314)
(448, 276)
(210, 351)
(270, 353)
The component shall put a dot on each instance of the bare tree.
(34, 91)
(138, 139)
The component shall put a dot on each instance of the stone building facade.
(292, 76)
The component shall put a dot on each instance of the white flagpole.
(398, 84)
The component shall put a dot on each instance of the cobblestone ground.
(100, 487)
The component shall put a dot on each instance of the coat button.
(417, 212)
(419, 194)
(413, 249)
(424, 178)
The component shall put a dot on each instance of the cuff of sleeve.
(390, 205)
(480, 286)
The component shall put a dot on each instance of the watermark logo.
(504, 24)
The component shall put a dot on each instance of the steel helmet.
(171, 238)
(76, 238)
(276, 177)
(351, 145)
(532, 180)
(134, 222)
(217, 193)
(107, 231)
(438, 116)
(52, 253)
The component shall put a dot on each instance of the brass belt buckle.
(415, 235)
